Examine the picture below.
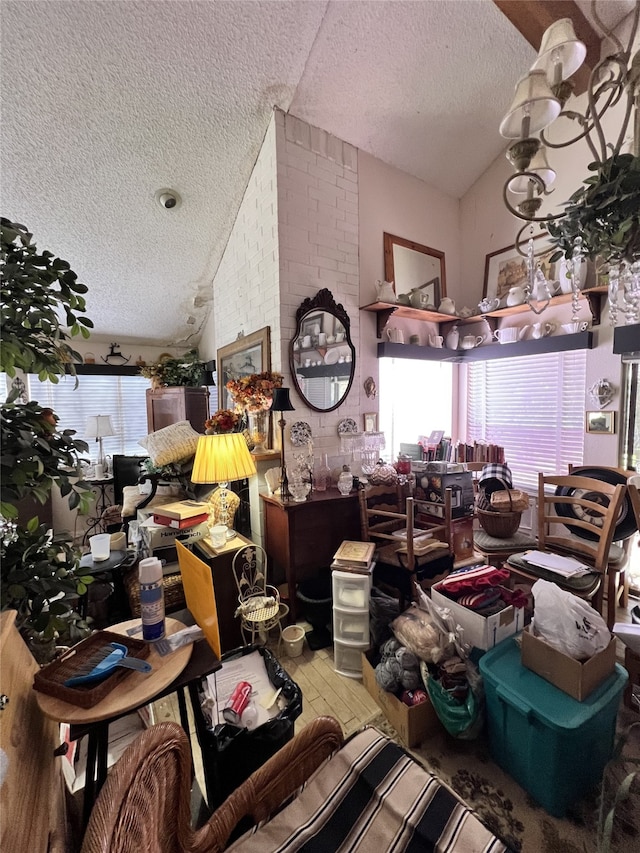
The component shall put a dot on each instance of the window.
(122, 397)
(416, 397)
(532, 406)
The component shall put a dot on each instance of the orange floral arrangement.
(224, 420)
(254, 392)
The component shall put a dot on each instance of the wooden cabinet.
(169, 405)
(301, 538)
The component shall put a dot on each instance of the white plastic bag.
(567, 622)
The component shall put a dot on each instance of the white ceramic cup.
(541, 330)
(572, 328)
(507, 336)
(219, 535)
(322, 339)
(339, 337)
(436, 341)
(306, 342)
(100, 545)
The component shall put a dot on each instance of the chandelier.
(601, 220)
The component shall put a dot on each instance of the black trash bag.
(383, 609)
(230, 754)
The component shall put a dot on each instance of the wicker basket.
(500, 525)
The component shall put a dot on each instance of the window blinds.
(122, 397)
(534, 407)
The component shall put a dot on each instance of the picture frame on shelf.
(601, 422)
(370, 421)
(506, 268)
(246, 355)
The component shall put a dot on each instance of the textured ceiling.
(104, 103)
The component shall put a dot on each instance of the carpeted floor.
(514, 816)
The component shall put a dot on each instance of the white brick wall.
(246, 285)
(318, 239)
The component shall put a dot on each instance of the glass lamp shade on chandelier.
(601, 220)
(222, 459)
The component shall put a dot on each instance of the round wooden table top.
(135, 690)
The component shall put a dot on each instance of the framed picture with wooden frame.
(506, 268)
(370, 421)
(246, 355)
(601, 422)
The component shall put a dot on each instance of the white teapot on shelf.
(447, 306)
(385, 291)
(489, 305)
(515, 296)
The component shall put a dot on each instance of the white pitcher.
(396, 336)
(385, 291)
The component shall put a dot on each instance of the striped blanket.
(371, 797)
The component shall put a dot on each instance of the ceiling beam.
(532, 17)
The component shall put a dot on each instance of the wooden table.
(301, 538)
(170, 674)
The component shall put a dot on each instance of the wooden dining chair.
(405, 552)
(576, 517)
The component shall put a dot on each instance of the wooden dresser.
(169, 405)
(301, 538)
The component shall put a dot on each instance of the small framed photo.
(507, 268)
(602, 422)
(370, 421)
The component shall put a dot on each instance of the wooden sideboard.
(168, 405)
(301, 538)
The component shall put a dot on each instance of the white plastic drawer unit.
(347, 658)
(351, 590)
(351, 625)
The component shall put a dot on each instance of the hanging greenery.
(186, 369)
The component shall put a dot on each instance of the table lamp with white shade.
(222, 459)
(99, 427)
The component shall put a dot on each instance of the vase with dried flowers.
(253, 394)
(224, 420)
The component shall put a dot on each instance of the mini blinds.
(121, 397)
(534, 407)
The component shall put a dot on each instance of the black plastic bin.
(231, 754)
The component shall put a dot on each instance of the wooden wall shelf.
(384, 310)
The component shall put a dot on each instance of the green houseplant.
(604, 212)
(39, 575)
(184, 370)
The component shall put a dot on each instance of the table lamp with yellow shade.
(222, 459)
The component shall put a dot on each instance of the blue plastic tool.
(104, 662)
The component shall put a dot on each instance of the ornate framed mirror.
(322, 357)
(412, 266)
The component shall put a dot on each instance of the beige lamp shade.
(561, 53)
(222, 458)
(98, 426)
(539, 165)
(533, 108)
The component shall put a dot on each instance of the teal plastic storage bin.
(554, 746)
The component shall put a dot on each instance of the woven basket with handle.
(500, 524)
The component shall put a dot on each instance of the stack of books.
(181, 515)
(354, 557)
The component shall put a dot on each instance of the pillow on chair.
(171, 444)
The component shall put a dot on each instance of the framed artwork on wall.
(370, 421)
(602, 422)
(246, 355)
(506, 268)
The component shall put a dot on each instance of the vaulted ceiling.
(104, 104)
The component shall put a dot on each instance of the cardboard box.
(159, 536)
(414, 723)
(577, 678)
(431, 487)
(483, 632)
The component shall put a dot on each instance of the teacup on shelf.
(576, 326)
